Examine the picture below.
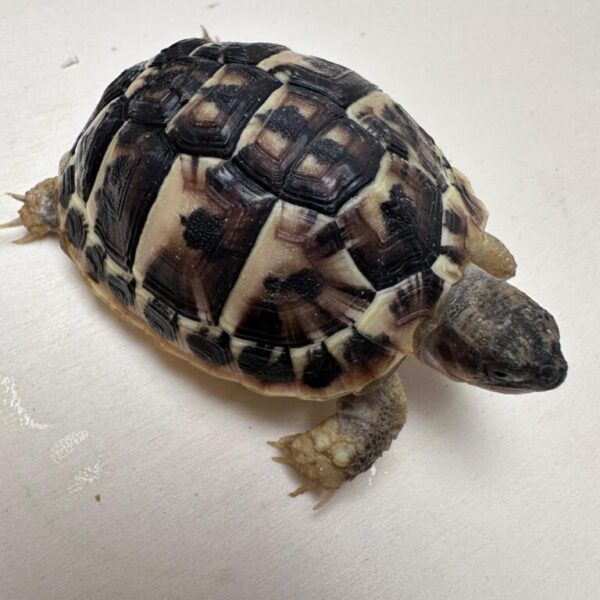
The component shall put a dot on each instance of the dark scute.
(385, 267)
(210, 51)
(433, 287)
(203, 231)
(258, 361)
(327, 151)
(382, 131)
(359, 349)
(413, 227)
(218, 137)
(227, 184)
(162, 318)
(286, 121)
(95, 256)
(168, 278)
(397, 116)
(246, 207)
(119, 86)
(224, 96)
(262, 323)
(123, 289)
(178, 50)
(456, 255)
(76, 229)
(250, 54)
(328, 191)
(330, 239)
(157, 101)
(130, 188)
(422, 293)
(189, 82)
(305, 283)
(67, 185)
(210, 349)
(93, 144)
(113, 193)
(337, 83)
(454, 222)
(358, 292)
(322, 368)
(399, 214)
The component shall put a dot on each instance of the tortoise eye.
(500, 374)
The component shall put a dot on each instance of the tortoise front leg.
(489, 253)
(347, 443)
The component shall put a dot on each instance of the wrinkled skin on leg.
(348, 442)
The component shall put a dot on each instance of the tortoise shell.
(273, 218)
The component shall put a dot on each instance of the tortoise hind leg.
(38, 213)
(347, 443)
(489, 253)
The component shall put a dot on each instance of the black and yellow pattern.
(273, 216)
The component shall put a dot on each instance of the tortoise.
(277, 220)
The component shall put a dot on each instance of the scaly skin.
(348, 442)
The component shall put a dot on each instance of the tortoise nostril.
(553, 374)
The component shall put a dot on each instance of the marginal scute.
(95, 257)
(400, 133)
(249, 54)
(122, 288)
(178, 50)
(266, 363)
(339, 84)
(162, 318)
(359, 349)
(395, 311)
(67, 185)
(322, 368)
(76, 228)
(211, 344)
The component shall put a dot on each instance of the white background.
(482, 496)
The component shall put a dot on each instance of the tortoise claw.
(16, 222)
(305, 487)
(324, 499)
(28, 237)
(19, 197)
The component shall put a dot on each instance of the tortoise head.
(490, 334)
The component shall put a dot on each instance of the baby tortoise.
(277, 220)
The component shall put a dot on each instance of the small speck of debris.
(98, 497)
(69, 62)
(362, 34)
(213, 5)
(113, 48)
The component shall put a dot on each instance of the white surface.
(482, 495)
